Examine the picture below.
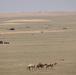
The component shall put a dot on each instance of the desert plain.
(38, 37)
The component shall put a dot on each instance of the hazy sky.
(36, 5)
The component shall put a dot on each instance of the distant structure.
(11, 29)
(6, 42)
(1, 42)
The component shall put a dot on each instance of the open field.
(38, 39)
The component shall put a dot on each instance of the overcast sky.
(36, 5)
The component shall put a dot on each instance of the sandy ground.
(49, 13)
(38, 31)
(44, 41)
(26, 20)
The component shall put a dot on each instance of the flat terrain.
(38, 38)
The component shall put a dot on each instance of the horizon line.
(41, 11)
